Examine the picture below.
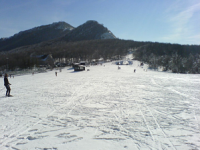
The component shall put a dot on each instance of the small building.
(45, 60)
(78, 67)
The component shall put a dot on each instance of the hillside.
(90, 49)
(35, 35)
(174, 57)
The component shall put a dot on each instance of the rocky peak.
(90, 30)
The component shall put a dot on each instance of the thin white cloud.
(180, 23)
(184, 16)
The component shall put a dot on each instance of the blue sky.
(168, 21)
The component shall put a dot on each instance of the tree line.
(175, 57)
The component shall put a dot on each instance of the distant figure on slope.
(56, 74)
(134, 70)
(7, 85)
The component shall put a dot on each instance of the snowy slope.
(102, 109)
(108, 35)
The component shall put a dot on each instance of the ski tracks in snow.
(14, 138)
(159, 138)
(194, 102)
(180, 113)
(116, 107)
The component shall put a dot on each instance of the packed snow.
(105, 108)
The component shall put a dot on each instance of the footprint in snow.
(31, 138)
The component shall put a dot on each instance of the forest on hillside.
(81, 50)
(175, 57)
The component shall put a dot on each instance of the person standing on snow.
(7, 85)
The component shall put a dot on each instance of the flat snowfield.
(101, 109)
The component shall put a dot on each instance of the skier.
(7, 85)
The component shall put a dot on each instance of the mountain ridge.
(35, 35)
(90, 30)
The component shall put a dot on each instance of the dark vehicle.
(78, 67)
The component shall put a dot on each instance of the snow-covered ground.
(101, 109)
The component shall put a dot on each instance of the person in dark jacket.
(7, 85)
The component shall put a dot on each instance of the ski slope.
(101, 109)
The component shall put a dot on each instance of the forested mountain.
(90, 30)
(35, 35)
